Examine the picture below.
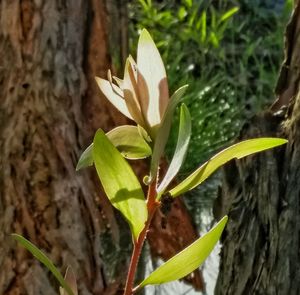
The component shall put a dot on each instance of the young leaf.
(129, 142)
(184, 136)
(239, 150)
(164, 130)
(39, 255)
(120, 183)
(86, 158)
(151, 80)
(71, 281)
(115, 95)
(187, 260)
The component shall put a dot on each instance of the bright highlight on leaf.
(184, 136)
(39, 255)
(229, 13)
(187, 260)
(239, 150)
(120, 183)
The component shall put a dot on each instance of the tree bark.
(50, 107)
(260, 253)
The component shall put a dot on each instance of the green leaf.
(164, 130)
(239, 150)
(39, 255)
(203, 26)
(127, 139)
(86, 158)
(120, 183)
(187, 260)
(229, 13)
(129, 142)
(184, 136)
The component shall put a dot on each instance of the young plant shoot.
(143, 96)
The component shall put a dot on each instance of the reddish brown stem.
(152, 205)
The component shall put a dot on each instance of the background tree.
(50, 107)
(260, 252)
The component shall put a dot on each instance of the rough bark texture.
(260, 252)
(49, 108)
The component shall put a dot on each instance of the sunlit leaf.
(152, 80)
(229, 13)
(239, 150)
(187, 260)
(71, 281)
(127, 139)
(120, 183)
(164, 130)
(184, 136)
(129, 142)
(203, 26)
(114, 95)
(39, 255)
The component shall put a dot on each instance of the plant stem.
(152, 205)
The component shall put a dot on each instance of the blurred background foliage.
(229, 52)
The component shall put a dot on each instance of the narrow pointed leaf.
(164, 130)
(238, 151)
(187, 260)
(152, 80)
(184, 136)
(114, 95)
(130, 90)
(229, 13)
(129, 142)
(120, 183)
(71, 281)
(39, 255)
(86, 158)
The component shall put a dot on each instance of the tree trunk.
(260, 253)
(50, 107)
